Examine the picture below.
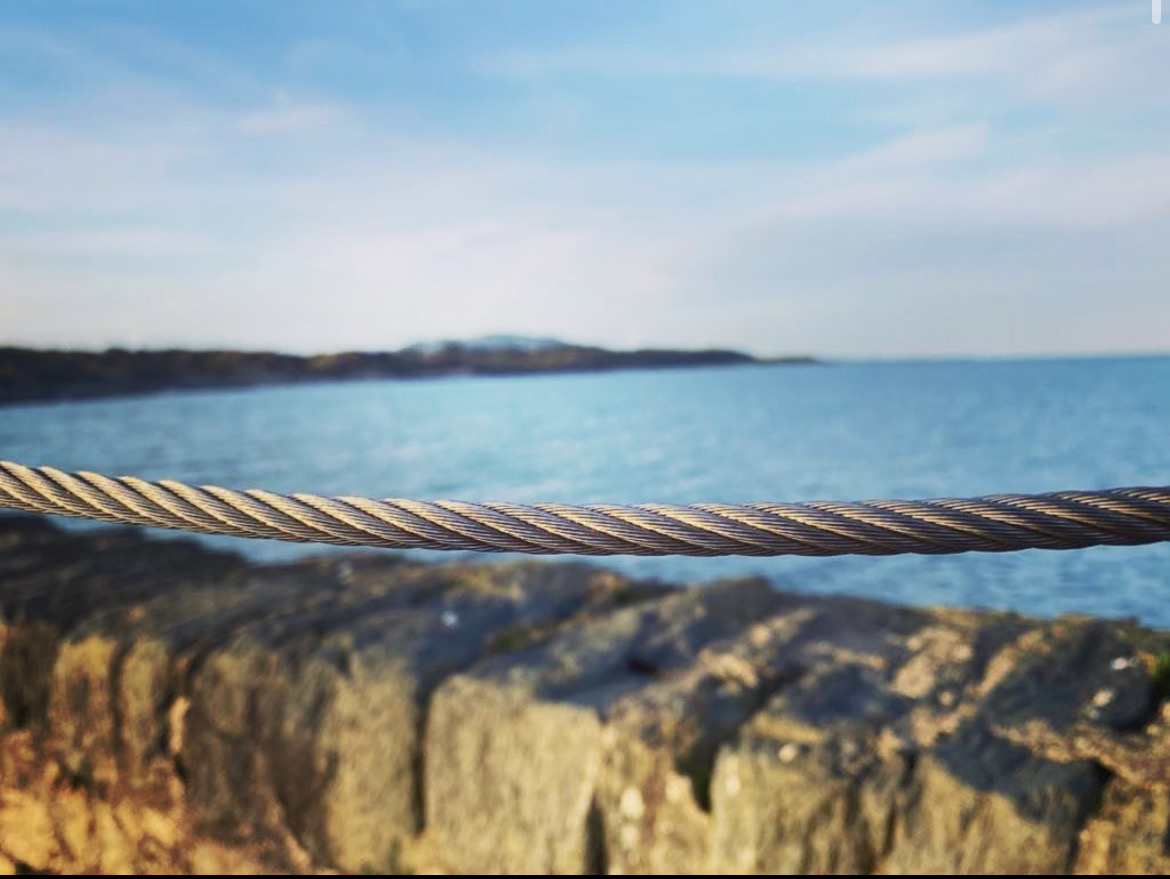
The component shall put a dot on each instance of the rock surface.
(165, 707)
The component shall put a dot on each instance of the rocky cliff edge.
(165, 707)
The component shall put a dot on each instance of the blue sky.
(844, 179)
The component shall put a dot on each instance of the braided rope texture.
(997, 523)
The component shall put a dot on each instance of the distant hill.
(28, 374)
(493, 343)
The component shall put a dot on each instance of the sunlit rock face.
(166, 707)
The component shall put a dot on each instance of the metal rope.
(998, 523)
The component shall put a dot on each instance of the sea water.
(729, 434)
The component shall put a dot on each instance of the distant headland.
(28, 375)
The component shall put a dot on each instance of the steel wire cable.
(995, 523)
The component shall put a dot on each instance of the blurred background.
(959, 211)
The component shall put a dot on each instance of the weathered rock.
(26, 829)
(515, 748)
(885, 758)
(792, 796)
(978, 804)
(166, 708)
(1129, 834)
(318, 714)
(289, 699)
(653, 793)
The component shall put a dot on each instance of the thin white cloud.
(1089, 194)
(1035, 45)
(410, 240)
(291, 118)
(1082, 55)
(146, 243)
(298, 223)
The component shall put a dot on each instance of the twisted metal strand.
(997, 523)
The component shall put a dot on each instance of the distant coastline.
(32, 375)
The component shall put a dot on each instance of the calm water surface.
(837, 432)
